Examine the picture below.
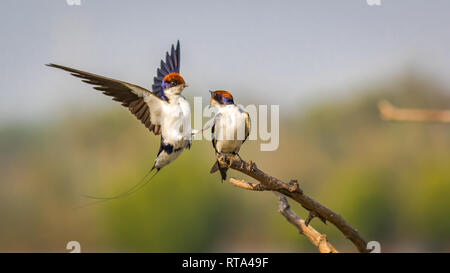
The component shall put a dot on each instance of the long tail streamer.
(143, 182)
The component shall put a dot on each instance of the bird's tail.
(132, 190)
(223, 171)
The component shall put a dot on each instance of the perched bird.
(230, 128)
(164, 111)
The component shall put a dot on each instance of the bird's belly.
(165, 158)
(170, 151)
(228, 146)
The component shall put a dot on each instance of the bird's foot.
(251, 166)
(238, 156)
(230, 162)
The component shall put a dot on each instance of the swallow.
(164, 111)
(230, 129)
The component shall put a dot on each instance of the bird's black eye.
(174, 83)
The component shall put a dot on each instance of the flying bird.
(230, 129)
(164, 111)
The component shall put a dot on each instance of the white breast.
(229, 129)
(176, 121)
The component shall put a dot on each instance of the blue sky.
(272, 52)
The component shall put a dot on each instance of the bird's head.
(221, 97)
(173, 84)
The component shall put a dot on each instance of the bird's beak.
(211, 92)
(185, 85)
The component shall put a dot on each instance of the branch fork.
(293, 191)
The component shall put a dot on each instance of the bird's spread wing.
(141, 102)
(172, 64)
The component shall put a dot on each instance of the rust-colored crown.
(224, 93)
(173, 77)
(222, 97)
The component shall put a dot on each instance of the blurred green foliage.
(391, 181)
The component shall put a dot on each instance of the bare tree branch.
(317, 239)
(390, 112)
(293, 191)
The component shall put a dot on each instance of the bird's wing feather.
(172, 64)
(247, 126)
(142, 103)
(213, 131)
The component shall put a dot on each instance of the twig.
(390, 112)
(247, 185)
(293, 191)
(319, 240)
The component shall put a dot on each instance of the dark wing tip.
(57, 66)
(214, 168)
(178, 56)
